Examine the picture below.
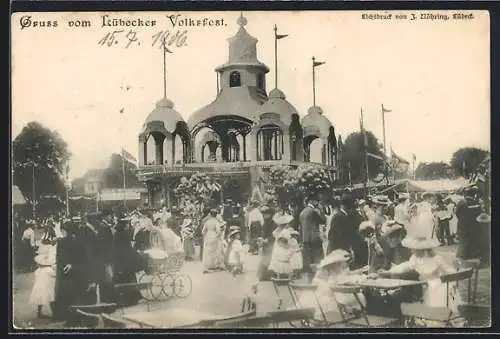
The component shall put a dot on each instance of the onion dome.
(165, 113)
(315, 123)
(277, 103)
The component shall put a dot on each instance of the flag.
(126, 155)
(318, 63)
(385, 110)
(281, 36)
(375, 156)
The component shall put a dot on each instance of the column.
(173, 149)
(159, 151)
(142, 159)
(245, 147)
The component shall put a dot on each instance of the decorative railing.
(219, 167)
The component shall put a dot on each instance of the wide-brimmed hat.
(282, 219)
(483, 218)
(45, 259)
(234, 232)
(335, 257)
(381, 200)
(390, 227)
(366, 226)
(420, 243)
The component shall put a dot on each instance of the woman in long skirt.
(212, 243)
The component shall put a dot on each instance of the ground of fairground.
(217, 293)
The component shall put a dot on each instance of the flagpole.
(67, 190)
(413, 167)
(165, 69)
(314, 83)
(365, 156)
(275, 56)
(383, 128)
(124, 178)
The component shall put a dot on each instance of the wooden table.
(168, 318)
(389, 284)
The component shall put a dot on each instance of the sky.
(434, 76)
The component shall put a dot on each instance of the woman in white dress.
(43, 291)
(430, 267)
(423, 223)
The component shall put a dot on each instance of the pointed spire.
(242, 21)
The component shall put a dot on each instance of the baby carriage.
(164, 271)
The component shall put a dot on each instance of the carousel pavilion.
(237, 137)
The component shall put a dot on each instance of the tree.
(352, 157)
(42, 155)
(433, 170)
(465, 160)
(113, 177)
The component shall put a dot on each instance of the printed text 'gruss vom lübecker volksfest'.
(110, 21)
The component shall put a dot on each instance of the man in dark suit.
(344, 234)
(310, 219)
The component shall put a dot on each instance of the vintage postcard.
(274, 169)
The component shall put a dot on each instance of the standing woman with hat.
(212, 242)
(423, 223)
(187, 234)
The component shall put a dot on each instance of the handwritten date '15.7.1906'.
(127, 38)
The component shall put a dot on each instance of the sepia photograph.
(250, 170)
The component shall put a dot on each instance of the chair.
(252, 322)
(357, 316)
(476, 315)
(444, 315)
(277, 282)
(453, 280)
(474, 264)
(326, 320)
(303, 315)
(90, 320)
(110, 322)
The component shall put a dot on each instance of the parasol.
(17, 196)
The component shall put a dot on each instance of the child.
(42, 293)
(282, 255)
(296, 259)
(236, 253)
(332, 270)
(376, 257)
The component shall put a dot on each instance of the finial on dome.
(242, 21)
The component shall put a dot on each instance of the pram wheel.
(169, 285)
(183, 286)
(146, 293)
(157, 286)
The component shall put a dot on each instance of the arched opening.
(234, 79)
(181, 144)
(313, 149)
(154, 149)
(270, 143)
(233, 152)
(178, 153)
(208, 151)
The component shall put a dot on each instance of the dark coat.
(310, 219)
(467, 229)
(343, 232)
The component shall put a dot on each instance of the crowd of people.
(323, 242)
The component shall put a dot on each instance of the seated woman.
(333, 270)
(430, 267)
